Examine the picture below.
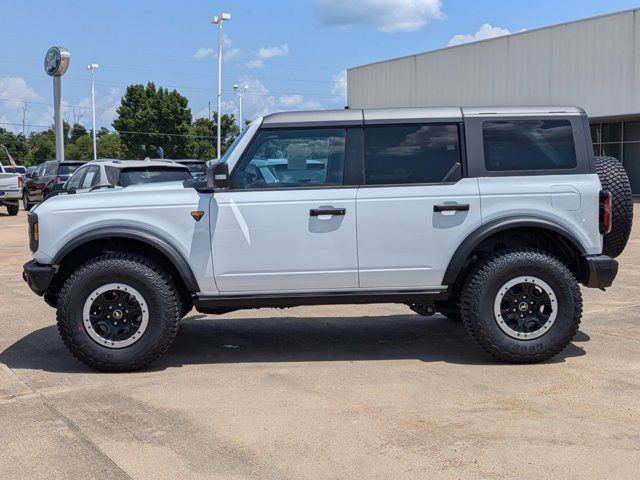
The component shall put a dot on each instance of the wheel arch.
(127, 239)
(502, 226)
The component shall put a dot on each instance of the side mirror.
(220, 174)
(217, 178)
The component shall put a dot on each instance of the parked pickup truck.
(490, 216)
(10, 189)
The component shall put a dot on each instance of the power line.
(119, 132)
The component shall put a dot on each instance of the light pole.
(217, 20)
(92, 67)
(240, 93)
(56, 62)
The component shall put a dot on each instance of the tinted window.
(74, 182)
(528, 145)
(15, 169)
(196, 167)
(91, 177)
(66, 169)
(50, 169)
(412, 154)
(285, 158)
(112, 175)
(137, 176)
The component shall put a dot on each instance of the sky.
(293, 54)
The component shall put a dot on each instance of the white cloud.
(291, 100)
(271, 52)
(203, 53)
(384, 15)
(266, 53)
(106, 106)
(14, 92)
(339, 89)
(256, 63)
(485, 31)
(228, 51)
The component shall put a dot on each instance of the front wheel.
(118, 312)
(521, 306)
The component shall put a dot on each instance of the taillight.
(20, 181)
(605, 212)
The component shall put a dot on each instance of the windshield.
(233, 146)
(138, 176)
(67, 169)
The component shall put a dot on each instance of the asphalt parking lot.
(362, 392)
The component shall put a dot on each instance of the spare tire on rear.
(613, 178)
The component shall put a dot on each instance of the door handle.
(316, 212)
(451, 208)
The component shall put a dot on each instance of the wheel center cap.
(523, 306)
(117, 314)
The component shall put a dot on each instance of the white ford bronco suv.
(492, 216)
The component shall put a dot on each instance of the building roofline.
(501, 37)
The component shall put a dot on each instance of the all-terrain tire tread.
(128, 262)
(473, 288)
(613, 177)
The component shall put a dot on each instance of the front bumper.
(602, 270)
(38, 276)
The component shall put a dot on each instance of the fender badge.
(197, 215)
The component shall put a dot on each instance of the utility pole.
(217, 20)
(240, 92)
(92, 67)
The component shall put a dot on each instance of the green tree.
(81, 149)
(110, 146)
(77, 131)
(41, 146)
(16, 144)
(150, 117)
(202, 136)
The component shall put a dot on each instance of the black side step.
(214, 302)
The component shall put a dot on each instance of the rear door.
(414, 207)
(288, 224)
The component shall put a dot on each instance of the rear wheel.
(613, 178)
(521, 306)
(26, 205)
(13, 209)
(118, 312)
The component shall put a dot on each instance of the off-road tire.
(481, 287)
(613, 177)
(25, 202)
(154, 285)
(13, 210)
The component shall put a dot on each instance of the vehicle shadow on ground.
(217, 340)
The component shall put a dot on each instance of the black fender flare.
(142, 235)
(499, 225)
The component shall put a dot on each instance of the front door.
(414, 208)
(287, 224)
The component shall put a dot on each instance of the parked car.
(123, 173)
(44, 177)
(10, 188)
(492, 216)
(198, 168)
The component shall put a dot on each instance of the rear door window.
(513, 145)
(412, 154)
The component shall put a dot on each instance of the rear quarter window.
(515, 145)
